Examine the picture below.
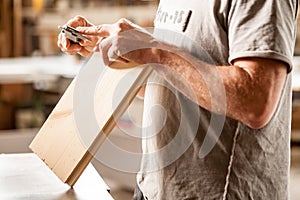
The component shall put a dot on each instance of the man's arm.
(252, 85)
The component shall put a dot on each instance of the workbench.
(26, 177)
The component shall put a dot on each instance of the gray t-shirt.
(243, 163)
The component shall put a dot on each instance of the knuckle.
(122, 24)
(79, 18)
(122, 20)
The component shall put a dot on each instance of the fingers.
(84, 52)
(84, 47)
(108, 43)
(98, 36)
(104, 47)
(110, 52)
(91, 30)
(89, 44)
(103, 31)
(104, 38)
(65, 45)
(107, 30)
(88, 47)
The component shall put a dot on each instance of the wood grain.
(61, 146)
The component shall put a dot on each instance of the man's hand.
(123, 41)
(84, 48)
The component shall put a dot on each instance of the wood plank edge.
(109, 126)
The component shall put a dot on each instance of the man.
(222, 76)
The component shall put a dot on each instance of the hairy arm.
(252, 85)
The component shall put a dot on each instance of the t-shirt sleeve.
(262, 28)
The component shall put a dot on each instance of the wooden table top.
(26, 177)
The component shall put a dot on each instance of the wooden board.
(60, 145)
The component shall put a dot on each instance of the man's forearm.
(252, 86)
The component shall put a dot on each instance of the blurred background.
(34, 74)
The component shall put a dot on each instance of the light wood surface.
(59, 143)
(38, 69)
(26, 177)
